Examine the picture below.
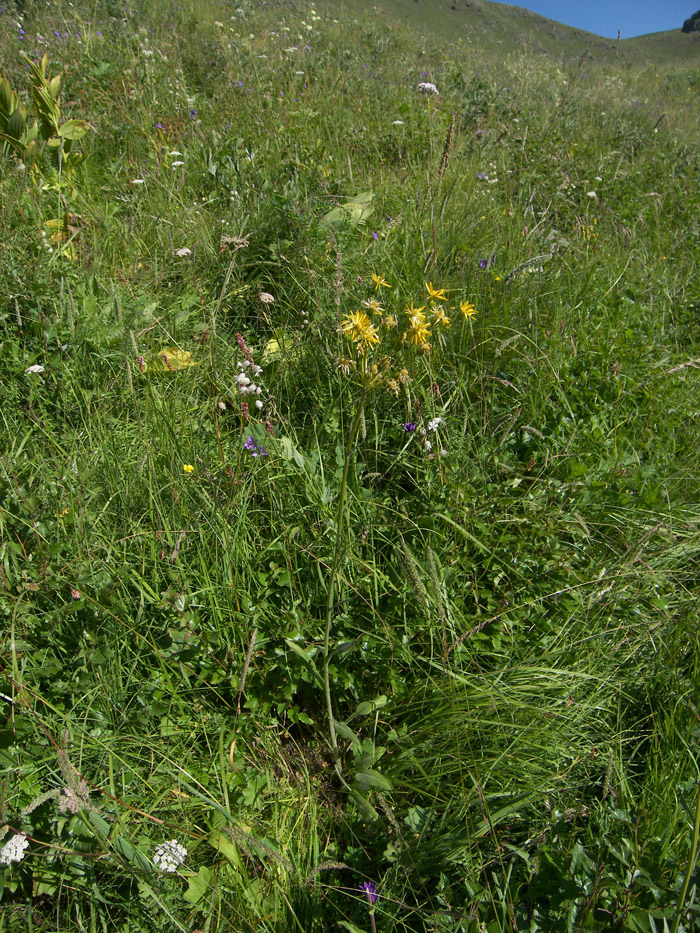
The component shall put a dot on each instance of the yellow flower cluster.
(366, 328)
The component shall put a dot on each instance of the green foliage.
(424, 617)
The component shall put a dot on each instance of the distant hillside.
(503, 28)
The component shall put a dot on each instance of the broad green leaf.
(356, 210)
(346, 732)
(73, 129)
(225, 847)
(200, 885)
(170, 359)
(369, 706)
(371, 778)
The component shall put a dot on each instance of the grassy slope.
(502, 29)
(525, 603)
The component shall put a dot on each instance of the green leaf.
(170, 359)
(355, 210)
(345, 732)
(369, 706)
(73, 129)
(200, 885)
(225, 847)
(372, 778)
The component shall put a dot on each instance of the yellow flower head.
(358, 328)
(380, 282)
(435, 294)
(467, 309)
(188, 468)
(439, 315)
(373, 306)
(418, 331)
(345, 365)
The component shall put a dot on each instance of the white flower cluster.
(13, 851)
(426, 87)
(434, 424)
(36, 368)
(169, 855)
(245, 385)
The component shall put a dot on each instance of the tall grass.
(505, 620)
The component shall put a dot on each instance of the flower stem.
(339, 521)
(691, 865)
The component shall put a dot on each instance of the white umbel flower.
(13, 851)
(36, 368)
(427, 87)
(169, 855)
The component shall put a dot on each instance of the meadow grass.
(412, 644)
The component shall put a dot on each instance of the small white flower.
(258, 403)
(591, 194)
(185, 251)
(427, 87)
(13, 851)
(169, 855)
(266, 298)
(176, 164)
(397, 123)
(175, 153)
(434, 424)
(138, 181)
(36, 368)
(428, 445)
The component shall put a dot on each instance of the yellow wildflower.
(380, 282)
(435, 294)
(438, 313)
(345, 365)
(390, 321)
(418, 330)
(188, 468)
(467, 309)
(358, 328)
(373, 306)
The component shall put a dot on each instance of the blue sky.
(605, 17)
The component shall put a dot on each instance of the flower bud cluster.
(169, 855)
(13, 851)
(245, 380)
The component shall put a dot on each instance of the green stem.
(340, 515)
(691, 866)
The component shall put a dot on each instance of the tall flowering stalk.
(380, 348)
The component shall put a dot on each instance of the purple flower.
(409, 426)
(484, 264)
(480, 175)
(193, 114)
(160, 126)
(370, 889)
(375, 234)
(251, 445)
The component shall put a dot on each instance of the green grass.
(510, 644)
